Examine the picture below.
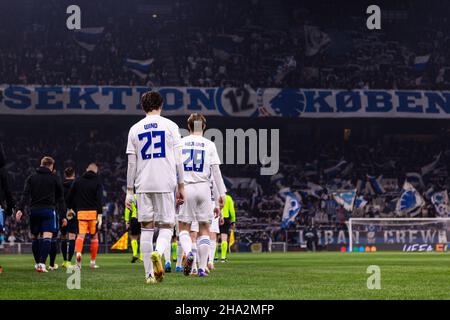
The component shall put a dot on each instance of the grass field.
(325, 275)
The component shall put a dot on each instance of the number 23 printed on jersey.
(158, 139)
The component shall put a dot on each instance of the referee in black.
(43, 191)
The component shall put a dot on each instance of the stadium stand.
(259, 43)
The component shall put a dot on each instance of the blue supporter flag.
(88, 38)
(420, 62)
(409, 200)
(139, 67)
(360, 202)
(345, 199)
(415, 179)
(291, 209)
(374, 184)
(441, 203)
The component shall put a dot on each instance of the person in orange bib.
(85, 198)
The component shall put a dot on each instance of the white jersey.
(198, 155)
(154, 140)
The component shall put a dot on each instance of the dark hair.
(151, 100)
(196, 118)
(69, 172)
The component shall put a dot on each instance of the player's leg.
(212, 250)
(167, 255)
(224, 231)
(71, 248)
(164, 205)
(64, 242)
(145, 218)
(72, 231)
(193, 235)
(174, 248)
(53, 252)
(48, 226)
(135, 231)
(223, 247)
(94, 243)
(204, 247)
(134, 248)
(204, 216)
(83, 229)
(185, 246)
(185, 218)
(35, 238)
(162, 243)
(213, 232)
(54, 245)
(80, 241)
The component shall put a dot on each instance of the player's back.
(198, 155)
(153, 140)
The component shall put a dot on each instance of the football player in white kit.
(155, 170)
(200, 161)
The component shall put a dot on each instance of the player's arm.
(60, 201)
(127, 216)
(99, 204)
(131, 170)
(217, 208)
(232, 212)
(179, 165)
(25, 199)
(218, 181)
(216, 174)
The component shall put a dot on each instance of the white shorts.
(156, 207)
(197, 205)
(214, 227)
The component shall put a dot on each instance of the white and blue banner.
(345, 199)
(88, 38)
(421, 62)
(360, 202)
(415, 179)
(374, 185)
(139, 67)
(226, 102)
(291, 209)
(441, 203)
(409, 200)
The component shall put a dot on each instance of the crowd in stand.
(229, 43)
(260, 203)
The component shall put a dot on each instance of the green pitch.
(245, 276)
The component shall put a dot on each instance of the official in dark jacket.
(43, 192)
(85, 197)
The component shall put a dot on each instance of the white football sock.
(212, 251)
(204, 246)
(194, 252)
(163, 241)
(179, 255)
(167, 253)
(185, 241)
(146, 249)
